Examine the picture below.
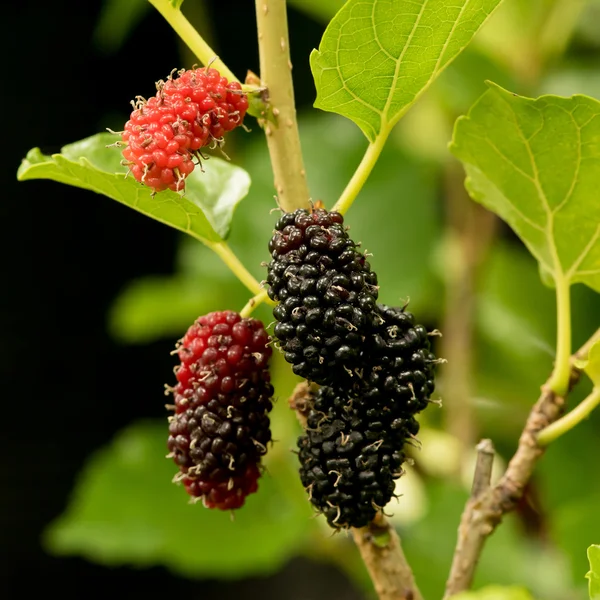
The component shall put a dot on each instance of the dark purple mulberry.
(326, 293)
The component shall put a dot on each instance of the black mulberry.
(326, 293)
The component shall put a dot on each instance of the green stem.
(191, 37)
(362, 173)
(281, 130)
(254, 303)
(233, 262)
(559, 382)
(566, 423)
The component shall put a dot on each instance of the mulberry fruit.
(353, 448)
(220, 428)
(326, 293)
(221, 105)
(165, 134)
(350, 459)
(398, 365)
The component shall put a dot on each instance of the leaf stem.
(254, 303)
(361, 174)
(566, 423)
(559, 382)
(281, 131)
(233, 262)
(191, 37)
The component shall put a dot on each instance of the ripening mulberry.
(353, 448)
(165, 134)
(326, 293)
(223, 396)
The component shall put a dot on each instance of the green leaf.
(125, 510)
(176, 3)
(377, 56)
(594, 573)
(204, 212)
(536, 163)
(495, 592)
(156, 307)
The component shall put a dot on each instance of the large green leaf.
(594, 573)
(205, 211)
(377, 56)
(536, 163)
(125, 510)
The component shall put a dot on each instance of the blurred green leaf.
(117, 21)
(594, 573)
(156, 307)
(536, 163)
(125, 510)
(515, 320)
(376, 57)
(204, 212)
(321, 10)
(495, 592)
(581, 77)
(524, 34)
(591, 365)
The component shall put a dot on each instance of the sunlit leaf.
(495, 592)
(377, 56)
(594, 573)
(536, 163)
(205, 211)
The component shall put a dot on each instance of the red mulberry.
(220, 428)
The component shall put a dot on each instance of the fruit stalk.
(191, 37)
(281, 128)
(483, 513)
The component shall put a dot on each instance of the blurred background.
(95, 295)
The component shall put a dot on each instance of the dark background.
(66, 386)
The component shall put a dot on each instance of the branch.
(379, 546)
(281, 128)
(484, 511)
(378, 542)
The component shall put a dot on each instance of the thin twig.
(483, 513)
(378, 542)
(483, 468)
(280, 126)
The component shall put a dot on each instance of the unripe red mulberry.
(220, 428)
(165, 134)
